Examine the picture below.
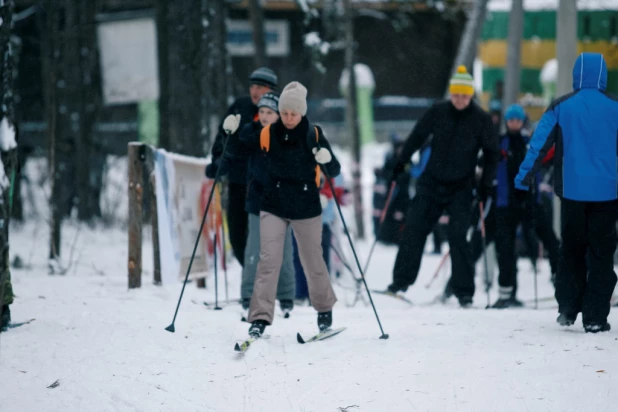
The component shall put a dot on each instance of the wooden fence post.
(136, 183)
(153, 214)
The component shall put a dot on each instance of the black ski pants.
(237, 220)
(507, 220)
(588, 228)
(542, 227)
(423, 214)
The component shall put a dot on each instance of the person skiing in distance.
(294, 152)
(243, 111)
(514, 207)
(257, 179)
(584, 127)
(460, 128)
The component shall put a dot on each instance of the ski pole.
(536, 273)
(382, 217)
(171, 327)
(216, 274)
(224, 262)
(343, 260)
(484, 240)
(357, 281)
(437, 272)
(347, 232)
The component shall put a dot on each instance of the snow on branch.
(7, 136)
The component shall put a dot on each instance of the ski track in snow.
(108, 348)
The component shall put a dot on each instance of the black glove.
(521, 196)
(397, 171)
(484, 192)
(211, 170)
(525, 200)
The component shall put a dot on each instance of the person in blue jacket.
(516, 207)
(584, 127)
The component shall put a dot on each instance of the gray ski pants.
(308, 234)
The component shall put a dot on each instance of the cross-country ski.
(325, 334)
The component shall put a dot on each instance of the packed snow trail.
(107, 347)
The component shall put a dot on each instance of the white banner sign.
(182, 194)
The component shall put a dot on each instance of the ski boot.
(6, 318)
(448, 292)
(566, 319)
(246, 303)
(515, 303)
(325, 320)
(597, 327)
(286, 307)
(504, 303)
(465, 301)
(393, 289)
(257, 328)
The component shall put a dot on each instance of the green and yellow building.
(597, 31)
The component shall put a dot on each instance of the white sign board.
(182, 194)
(129, 65)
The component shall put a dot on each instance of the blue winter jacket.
(417, 170)
(510, 159)
(584, 127)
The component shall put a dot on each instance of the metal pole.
(513, 56)
(566, 52)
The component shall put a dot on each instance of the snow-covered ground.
(107, 349)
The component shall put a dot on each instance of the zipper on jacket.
(305, 188)
(278, 184)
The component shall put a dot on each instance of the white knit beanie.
(294, 98)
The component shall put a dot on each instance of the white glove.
(322, 156)
(231, 123)
(323, 201)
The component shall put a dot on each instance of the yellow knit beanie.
(462, 82)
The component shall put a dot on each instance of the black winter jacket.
(236, 155)
(291, 192)
(457, 138)
(257, 174)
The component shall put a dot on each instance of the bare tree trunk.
(218, 64)
(8, 156)
(49, 28)
(7, 95)
(352, 121)
(469, 42)
(186, 56)
(163, 60)
(259, 39)
(513, 56)
(91, 159)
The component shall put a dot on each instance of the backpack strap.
(265, 138)
(317, 167)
